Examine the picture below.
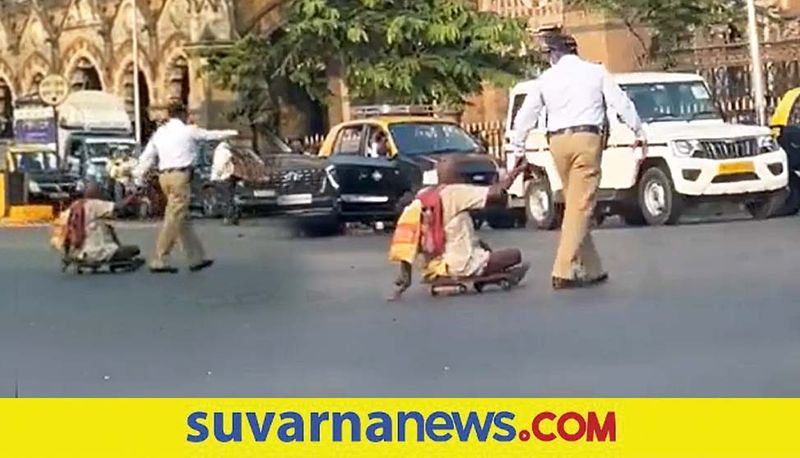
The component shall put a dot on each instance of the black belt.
(176, 169)
(587, 129)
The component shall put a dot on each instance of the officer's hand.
(639, 151)
(402, 283)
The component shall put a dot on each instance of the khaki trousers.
(577, 158)
(177, 225)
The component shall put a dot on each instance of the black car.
(48, 182)
(254, 197)
(371, 168)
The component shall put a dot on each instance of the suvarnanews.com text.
(401, 426)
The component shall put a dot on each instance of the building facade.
(90, 43)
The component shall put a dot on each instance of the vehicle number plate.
(479, 178)
(264, 193)
(732, 168)
(295, 199)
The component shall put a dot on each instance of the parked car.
(694, 156)
(786, 129)
(370, 168)
(48, 182)
(254, 197)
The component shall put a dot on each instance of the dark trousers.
(228, 192)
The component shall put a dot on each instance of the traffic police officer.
(174, 147)
(575, 94)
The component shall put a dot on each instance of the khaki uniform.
(577, 158)
(177, 225)
(463, 254)
(576, 95)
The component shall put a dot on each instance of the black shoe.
(164, 270)
(597, 280)
(203, 265)
(566, 283)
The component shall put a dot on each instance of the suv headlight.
(767, 144)
(34, 187)
(430, 178)
(685, 148)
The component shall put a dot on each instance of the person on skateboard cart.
(84, 236)
(438, 226)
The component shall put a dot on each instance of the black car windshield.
(677, 101)
(431, 138)
(33, 162)
(272, 144)
(111, 149)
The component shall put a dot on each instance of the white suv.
(694, 156)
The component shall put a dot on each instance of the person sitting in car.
(379, 147)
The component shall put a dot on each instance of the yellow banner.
(399, 427)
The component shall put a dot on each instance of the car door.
(789, 137)
(360, 176)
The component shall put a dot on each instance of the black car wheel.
(658, 201)
(541, 209)
(211, 202)
(502, 220)
(321, 228)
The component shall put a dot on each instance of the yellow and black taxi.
(370, 167)
(785, 125)
(47, 181)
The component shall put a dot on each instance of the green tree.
(672, 24)
(411, 51)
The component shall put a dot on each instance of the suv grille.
(728, 149)
(299, 181)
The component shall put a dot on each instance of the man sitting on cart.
(88, 238)
(460, 254)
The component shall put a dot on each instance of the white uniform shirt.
(575, 93)
(222, 164)
(174, 144)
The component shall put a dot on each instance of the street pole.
(135, 39)
(755, 59)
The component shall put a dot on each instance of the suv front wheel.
(657, 199)
(541, 209)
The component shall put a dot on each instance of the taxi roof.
(389, 119)
(30, 148)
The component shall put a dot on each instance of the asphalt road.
(705, 309)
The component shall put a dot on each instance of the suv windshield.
(679, 101)
(431, 138)
(41, 161)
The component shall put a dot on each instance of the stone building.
(89, 42)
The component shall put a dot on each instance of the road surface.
(709, 309)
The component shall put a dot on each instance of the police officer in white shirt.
(575, 94)
(174, 144)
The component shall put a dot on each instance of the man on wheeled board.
(438, 225)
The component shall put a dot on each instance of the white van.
(694, 156)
